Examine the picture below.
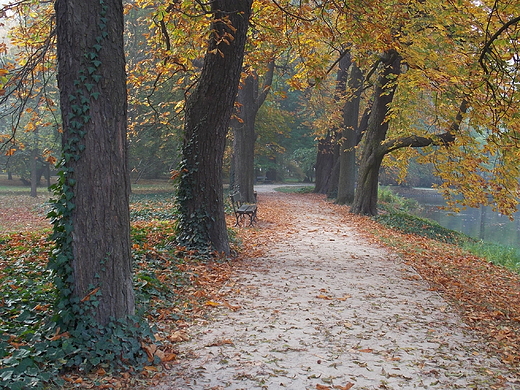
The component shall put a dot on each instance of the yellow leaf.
(321, 296)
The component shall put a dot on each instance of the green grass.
(507, 257)
(410, 224)
(295, 189)
(387, 198)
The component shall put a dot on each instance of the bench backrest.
(236, 200)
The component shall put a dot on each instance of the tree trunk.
(249, 100)
(324, 164)
(208, 111)
(327, 161)
(92, 83)
(365, 199)
(349, 139)
(34, 172)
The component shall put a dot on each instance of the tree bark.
(202, 223)
(349, 139)
(250, 98)
(92, 83)
(365, 199)
(327, 161)
(34, 172)
(324, 164)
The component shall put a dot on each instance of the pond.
(482, 223)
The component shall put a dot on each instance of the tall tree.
(349, 137)
(251, 96)
(208, 111)
(91, 218)
(327, 161)
(365, 199)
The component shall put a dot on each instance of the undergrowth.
(36, 355)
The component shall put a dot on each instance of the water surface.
(482, 223)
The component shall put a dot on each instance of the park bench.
(242, 210)
(263, 180)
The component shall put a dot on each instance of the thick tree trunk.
(349, 140)
(92, 82)
(365, 199)
(250, 98)
(208, 111)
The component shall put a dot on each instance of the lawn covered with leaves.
(173, 288)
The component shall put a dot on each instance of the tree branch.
(415, 141)
(494, 37)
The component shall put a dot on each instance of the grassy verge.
(295, 189)
(395, 214)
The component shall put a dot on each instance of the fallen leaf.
(321, 296)
(231, 307)
(218, 343)
(165, 356)
(150, 350)
(321, 387)
(178, 336)
(346, 387)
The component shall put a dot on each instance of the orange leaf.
(87, 297)
(346, 387)
(321, 296)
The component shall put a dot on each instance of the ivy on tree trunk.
(91, 216)
(202, 223)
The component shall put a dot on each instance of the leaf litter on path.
(319, 304)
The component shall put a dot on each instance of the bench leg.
(252, 218)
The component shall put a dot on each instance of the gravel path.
(325, 309)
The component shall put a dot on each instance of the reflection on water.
(482, 223)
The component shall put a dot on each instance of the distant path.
(325, 309)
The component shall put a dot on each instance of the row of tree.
(438, 75)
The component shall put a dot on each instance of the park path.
(325, 308)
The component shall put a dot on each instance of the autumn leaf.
(348, 386)
(219, 343)
(178, 337)
(321, 296)
(321, 387)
